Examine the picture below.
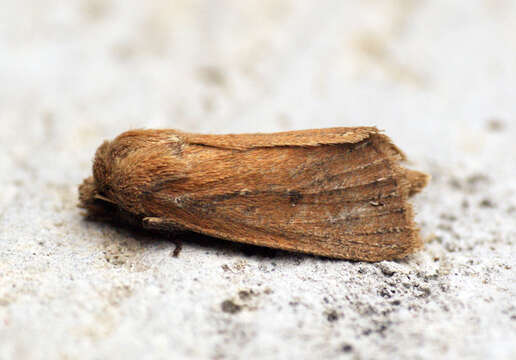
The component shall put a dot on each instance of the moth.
(335, 192)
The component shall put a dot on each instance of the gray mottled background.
(439, 76)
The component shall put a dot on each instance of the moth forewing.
(336, 192)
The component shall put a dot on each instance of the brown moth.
(337, 192)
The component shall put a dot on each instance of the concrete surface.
(439, 76)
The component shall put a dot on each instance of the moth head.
(97, 206)
(126, 167)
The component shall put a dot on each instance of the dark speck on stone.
(487, 203)
(347, 348)
(332, 316)
(228, 306)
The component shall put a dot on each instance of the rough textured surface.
(437, 75)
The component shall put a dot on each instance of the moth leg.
(179, 246)
(162, 224)
(168, 226)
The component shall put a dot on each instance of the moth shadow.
(152, 238)
(219, 245)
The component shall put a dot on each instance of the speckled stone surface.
(438, 76)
